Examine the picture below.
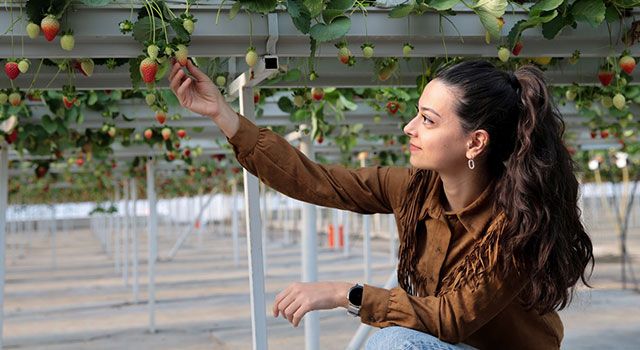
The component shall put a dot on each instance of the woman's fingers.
(291, 310)
(174, 69)
(197, 73)
(182, 90)
(176, 81)
(299, 314)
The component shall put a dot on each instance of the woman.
(491, 241)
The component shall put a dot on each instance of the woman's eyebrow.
(431, 110)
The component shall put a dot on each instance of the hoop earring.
(471, 164)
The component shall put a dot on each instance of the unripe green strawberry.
(570, 95)
(3, 98)
(15, 99)
(152, 51)
(50, 27)
(406, 49)
(166, 133)
(112, 132)
(67, 42)
(627, 64)
(182, 54)
(606, 101)
(33, 30)
(23, 66)
(503, 54)
(221, 80)
(619, 101)
(188, 25)
(367, 50)
(298, 101)
(150, 99)
(251, 57)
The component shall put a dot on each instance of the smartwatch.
(355, 300)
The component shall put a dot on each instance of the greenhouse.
(132, 219)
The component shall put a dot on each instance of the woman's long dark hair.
(536, 187)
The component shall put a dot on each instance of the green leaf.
(551, 29)
(590, 11)
(293, 75)
(142, 29)
(314, 7)
(300, 115)
(611, 15)
(330, 14)
(490, 23)
(402, 10)
(262, 6)
(36, 8)
(294, 7)
(178, 28)
(49, 125)
(134, 72)
(170, 98)
(327, 32)
(348, 104)
(341, 4)
(235, 9)
(493, 8)
(544, 5)
(285, 104)
(303, 23)
(93, 98)
(96, 3)
(443, 5)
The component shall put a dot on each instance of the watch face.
(355, 296)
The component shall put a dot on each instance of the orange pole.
(341, 236)
(331, 238)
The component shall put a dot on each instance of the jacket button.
(372, 319)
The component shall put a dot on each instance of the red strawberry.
(80, 161)
(41, 171)
(317, 93)
(161, 117)
(517, 48)
(593, 134)
(182, 133)
(148, 134)
(605, 77)
(344, 54)
(393, 107)
(50, 27)
(170, 155)
(256, 97)
(12, 137)
(604, 134)
(186, 153)
(12, 70)
(148, 70)
(627, 64)
(320, 139)
(219, 157)
(68, 103)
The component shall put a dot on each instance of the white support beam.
(152, 243)
(310, 256)
(254, 239)
(4, 187)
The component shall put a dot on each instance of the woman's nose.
(408, 129)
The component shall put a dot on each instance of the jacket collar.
(474, 217)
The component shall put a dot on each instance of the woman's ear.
(477, 143)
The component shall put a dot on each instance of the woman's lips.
(413, 148)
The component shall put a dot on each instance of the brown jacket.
(484, 313)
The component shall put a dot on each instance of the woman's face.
(436, 138)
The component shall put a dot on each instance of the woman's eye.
(426, 120)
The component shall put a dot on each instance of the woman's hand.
(200, 95)
(299, 298)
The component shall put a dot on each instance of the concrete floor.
(203, 299)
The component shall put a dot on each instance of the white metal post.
(116, 226)
(234, 223)
(134, 231)
(126, 233)
(4, 184)
(366, 234)
(53, 227)
(152, 243)
(254, 242)
(265, 221)
(310, 256)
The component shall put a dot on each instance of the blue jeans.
(400, 338)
